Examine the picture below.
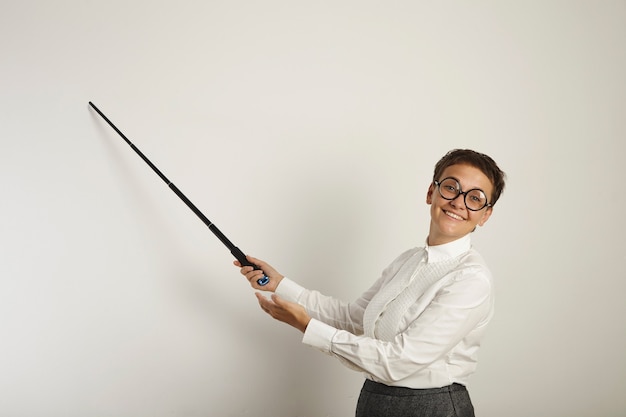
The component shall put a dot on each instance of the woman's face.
(450, 219)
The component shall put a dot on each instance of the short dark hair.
(478, 160)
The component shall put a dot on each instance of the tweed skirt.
(380, 400)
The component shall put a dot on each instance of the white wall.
(307, 131)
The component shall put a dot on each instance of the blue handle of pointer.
(239, 255)
(261, 281)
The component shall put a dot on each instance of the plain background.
(307, 131)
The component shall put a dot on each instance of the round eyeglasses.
(475, 199)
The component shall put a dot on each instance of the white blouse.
(419, 325)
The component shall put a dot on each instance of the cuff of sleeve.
(319, 336)
(289, 290)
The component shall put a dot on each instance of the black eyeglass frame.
(464, 193)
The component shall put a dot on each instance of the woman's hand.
(252, 275)
(291, 313)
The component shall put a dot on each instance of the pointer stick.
(237, 253)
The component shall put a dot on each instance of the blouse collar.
(449, 250)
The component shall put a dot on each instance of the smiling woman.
(451, 217)
(416, 331)
(309, 133)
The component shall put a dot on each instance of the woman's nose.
(458, 201)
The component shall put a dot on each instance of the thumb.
(280, 302)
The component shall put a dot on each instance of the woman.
(415, 333)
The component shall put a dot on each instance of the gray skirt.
(380, 400)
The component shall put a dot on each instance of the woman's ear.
(429, 194)
(486, 216)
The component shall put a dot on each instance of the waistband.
(378, 388)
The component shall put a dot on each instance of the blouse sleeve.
(331, 311)
(338, 314)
